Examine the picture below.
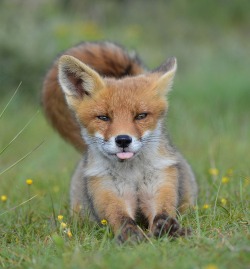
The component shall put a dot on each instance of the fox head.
(120, 117)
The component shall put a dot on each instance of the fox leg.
(116, 210)
(161, 205)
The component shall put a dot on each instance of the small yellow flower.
(3, 198)
(69, 234)
(104, 222)
(213, 171)
(60, 217)
(206, 206)
(29, 181)
(211, 266)
(225, 180)
(63, 225)
(223, 201)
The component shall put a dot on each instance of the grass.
(208, 120)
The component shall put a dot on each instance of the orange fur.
(109, 205)
(166, 198)
(109, 100)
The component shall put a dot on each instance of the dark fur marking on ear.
(79, 88)
(77, 84)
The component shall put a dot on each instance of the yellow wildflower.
(69, 234)
(206, 206)
(225, 180)
(213, 171)
(29, 181)
(60, 217)
(3, 198)
(223, 201)
(63, 225)
(104, 222)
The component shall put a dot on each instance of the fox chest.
(137, 183)
(137, 188)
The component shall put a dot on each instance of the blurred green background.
(205, 36)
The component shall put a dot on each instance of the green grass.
(208, 121)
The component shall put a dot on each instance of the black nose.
(123, 141)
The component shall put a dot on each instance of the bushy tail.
(108, 60)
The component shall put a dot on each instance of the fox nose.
(123, 141)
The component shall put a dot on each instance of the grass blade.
(15, 207)
(21, 159)
(14, 94)
(17, 135)
(216, 200)
(197, 217)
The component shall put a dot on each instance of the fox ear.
(77, 79)
(167, 72)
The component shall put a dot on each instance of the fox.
(112, 109)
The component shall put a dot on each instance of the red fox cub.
(100, 98)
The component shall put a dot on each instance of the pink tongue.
(124, 155)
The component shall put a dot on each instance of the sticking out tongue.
(124, 155)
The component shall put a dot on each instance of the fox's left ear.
(166, 75)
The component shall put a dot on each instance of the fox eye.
(103, 118)
(141, 116)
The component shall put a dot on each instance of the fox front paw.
(163, 224)
(129, 232)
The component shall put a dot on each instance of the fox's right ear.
(166, 75)
(77, 79)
